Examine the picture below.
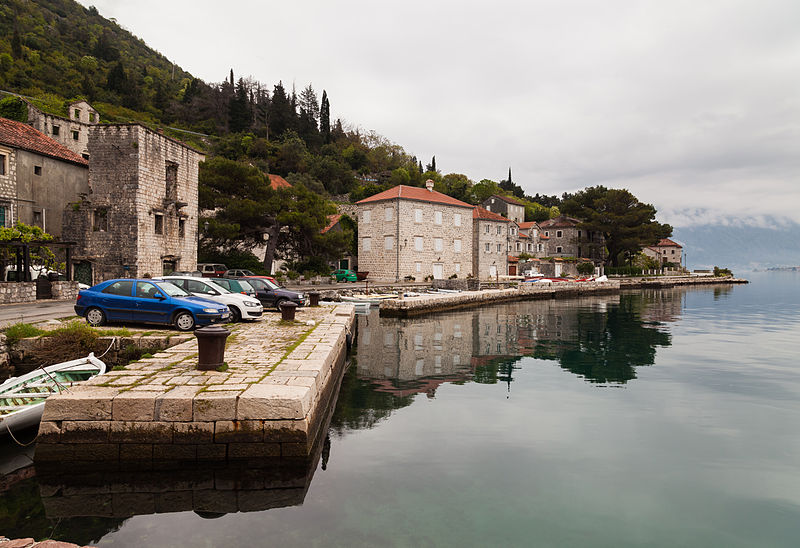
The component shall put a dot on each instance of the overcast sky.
(693, 106)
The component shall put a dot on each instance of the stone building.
(565, 239)
(414, 232)
(534, 242)
(508, 207)
(490, 243)
(140, 216)
(71, 132)
(38, 176)
(665, 251)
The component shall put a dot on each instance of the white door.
(438, 271)
(558, 270)
(493, 271)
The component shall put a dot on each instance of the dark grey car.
(273, 295)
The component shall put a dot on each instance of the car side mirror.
(159, 296)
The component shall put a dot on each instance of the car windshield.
(269, 283)
(217, 286)
(172, 290)
(245, 285)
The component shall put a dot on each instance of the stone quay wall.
(270, 401)
(424, 304)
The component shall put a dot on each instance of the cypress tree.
(325, 118)
(16, 44)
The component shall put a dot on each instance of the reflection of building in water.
(662, 305)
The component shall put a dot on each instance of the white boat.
(22, 398)
(373, 298)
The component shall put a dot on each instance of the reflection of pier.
(600, 338)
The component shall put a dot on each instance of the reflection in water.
(602, 339)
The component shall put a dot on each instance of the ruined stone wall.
(65, 134)
(156, 153)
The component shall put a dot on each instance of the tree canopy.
(626, 223)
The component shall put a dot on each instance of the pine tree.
(240, 117)
(117, 79)
(281, 114)
(308, 123)
(325, 118)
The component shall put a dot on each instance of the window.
(437, 244)
(499, 230)
(85, 156)
(56, 130)
(579, 234)
(558, 233)
(559, 249)
(388, 242)
(457, 246)
(487, 229)
(457, 267)
(457, 219)
(171, 178)
(159, 224)
(181, 228)
(488, 208)
(2, 164)
(499, 248)
(512, 231)
(487, 248)
(77, 114)
(146, 290)
(100, 222)
(91, 117)
(387, 214)
(196, 286)
(123, 288)
(418, 267)
(673, 252)
(519, 248)
(4, 215)
(547, 233)
(37, 219)
(540, 247)
(535, 233)
(418, 243)
(37, 170)
(365, 217)
(75, 134)
(437, 217)
(366, 244)
(417, 215)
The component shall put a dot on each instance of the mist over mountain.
(740, 247)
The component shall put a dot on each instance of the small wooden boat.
(22, 398)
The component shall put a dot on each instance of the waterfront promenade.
(268, 400)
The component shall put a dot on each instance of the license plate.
(225, 315)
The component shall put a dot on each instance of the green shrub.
(18, 331)
(585, 268)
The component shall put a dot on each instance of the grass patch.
(222, 368)
(116, 332)
(147, 355)
(19, 331)
(118, 368)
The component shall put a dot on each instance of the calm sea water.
(655, 418)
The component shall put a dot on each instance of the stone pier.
(268, 400)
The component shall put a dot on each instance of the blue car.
(147, 301)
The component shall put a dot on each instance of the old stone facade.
(533, 240)
(490, 243)
(566, 239)
(72, 132)
(508, 207)
(414, 232)
(141, 215)
(37, 177)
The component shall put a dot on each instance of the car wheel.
(236, 315)
(278, 304)
(95, 317)
(184, 321)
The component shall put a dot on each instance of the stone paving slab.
(275, 376)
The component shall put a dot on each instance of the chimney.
(429, 185)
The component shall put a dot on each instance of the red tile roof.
(414, 193)
(276, 182)
(521, 235)
(562, 221)
(332, 220)
(526, 225)
(18, 135)
(508, 199)
(512, 259)
(486, 215)
(666, 242)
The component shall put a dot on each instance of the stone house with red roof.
(73, 131)
(414, 232)
(508, 207)
(665, 251)
(566, 239)
(490, 243)
(38, 177)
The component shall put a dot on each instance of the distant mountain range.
(740, 247)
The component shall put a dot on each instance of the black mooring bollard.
(211, 347)
(287, 310)
(313, 298)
